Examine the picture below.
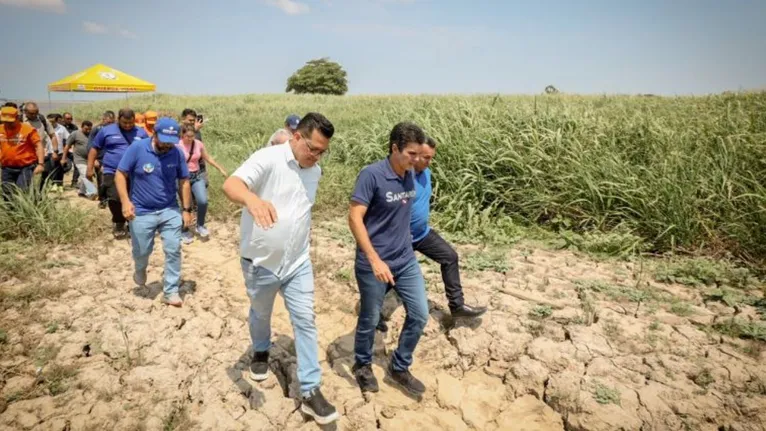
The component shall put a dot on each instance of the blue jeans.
(199, 191)
(142, 229)
(298, 293)
(410, 287)
(16, 178)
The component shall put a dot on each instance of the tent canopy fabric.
(102, 79)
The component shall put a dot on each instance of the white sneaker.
(203, 232)
(187, 237)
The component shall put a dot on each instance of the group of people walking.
(389, 213)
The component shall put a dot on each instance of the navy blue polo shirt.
(114, 141)
(389, 199)
(153, 176)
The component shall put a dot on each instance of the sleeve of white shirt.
(254, 170)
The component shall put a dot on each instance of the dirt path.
(566, 344)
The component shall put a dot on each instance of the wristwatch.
(187, 210)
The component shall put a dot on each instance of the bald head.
(31, 110)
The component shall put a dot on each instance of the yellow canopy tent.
(100, 79)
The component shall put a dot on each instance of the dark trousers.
(113, 198)
(52, 171)
(16, 179)
(434, 247)
(100, 184)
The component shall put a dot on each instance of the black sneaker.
(468, 311)
(259, 367)
(406, 380)
(316, 406)
(119, 231)
(382, 326)
(365, 378)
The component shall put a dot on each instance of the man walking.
(47, 135)
(62, 135)
(154, 167)
(427, 241)
(67, 122)
(379, 218)
(21, 152)
(277, 186)
(114, 140)
(77, 147)
(106, 119)
(283, 135)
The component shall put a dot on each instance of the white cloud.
(290, 7)
(55, 6)
(96, 28)
(93, 28)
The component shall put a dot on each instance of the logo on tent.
(108, 75)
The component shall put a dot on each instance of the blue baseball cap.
(168, 131)
(292, 121)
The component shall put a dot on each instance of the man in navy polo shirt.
(154, 166)
(114, 140)
(379, 218)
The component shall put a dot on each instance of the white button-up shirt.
(273, 174)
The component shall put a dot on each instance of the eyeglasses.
(312, 150)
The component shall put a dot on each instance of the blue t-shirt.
(153, 177)
(389, 199)
(114, 141)
(421, 207)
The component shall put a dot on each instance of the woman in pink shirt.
(194, 151)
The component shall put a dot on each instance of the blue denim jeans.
(410, 287)
(142, 229)
(199, 191)
(298, 293)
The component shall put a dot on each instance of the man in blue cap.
(154, 166)
(283, 135)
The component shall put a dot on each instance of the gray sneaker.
(173, 299)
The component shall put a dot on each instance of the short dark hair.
(54, 117)
(315, 121)
(188, 128)
(127, 114)
(11, 105)
(430, 142)
(109, 114)
(67, 113)
(405, 133)
(188, 111)
(86, 123)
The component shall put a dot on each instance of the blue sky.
(392, 46)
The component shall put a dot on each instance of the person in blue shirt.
(155, 167)
(428, 242)
(379, 218)
(114, 140)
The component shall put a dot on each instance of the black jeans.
(16, 179)
(53, 171)
(115, 206)
(434, 247)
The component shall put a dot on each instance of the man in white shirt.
(277, 186)
(62, 134)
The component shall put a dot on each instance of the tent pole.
(50, 106)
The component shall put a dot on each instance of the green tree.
(320, 76)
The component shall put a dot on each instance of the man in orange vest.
(21, 151)
(150, 119)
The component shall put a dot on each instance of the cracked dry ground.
(89, 351)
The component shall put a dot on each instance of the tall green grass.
(683, 173)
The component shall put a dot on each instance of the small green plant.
(682, 309)
(612, 329)
(616, 243)
(738, 328)
(52, 327)
(344, 274)
(541, 312)
(703, 379)
(487, 261)
(3, 336)
(606, 395)
(700, 271)
(654, 326)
